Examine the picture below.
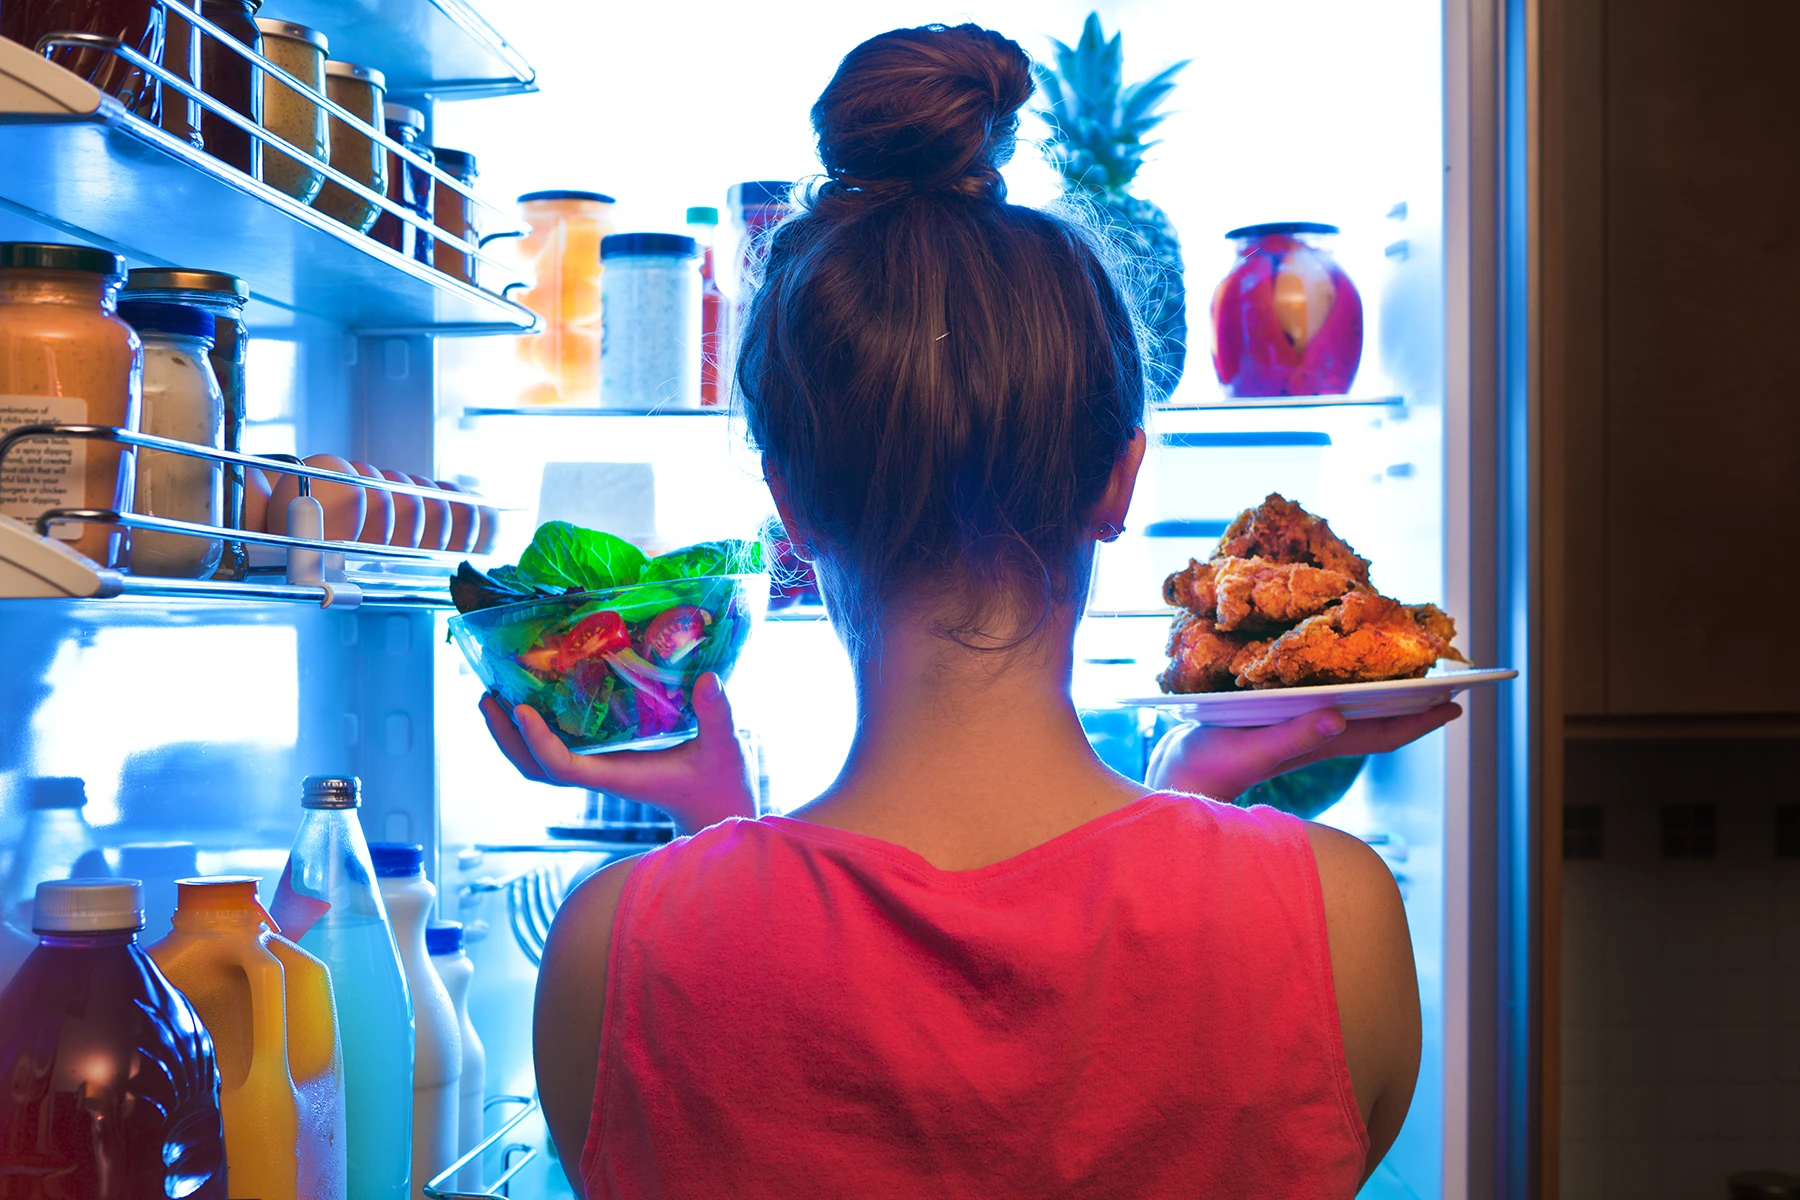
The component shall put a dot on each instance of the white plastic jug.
(437, 1040)
(444, 939)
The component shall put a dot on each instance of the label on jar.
(44, 473)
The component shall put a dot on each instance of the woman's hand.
(1226, 763)
(698, 783)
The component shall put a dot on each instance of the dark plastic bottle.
(111, 1090)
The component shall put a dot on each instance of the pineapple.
(1097, 129)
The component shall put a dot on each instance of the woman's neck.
(968, 757)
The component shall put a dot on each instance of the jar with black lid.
(407, 185)
(228, 77)
(455, 213)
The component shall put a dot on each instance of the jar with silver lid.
(649, 322)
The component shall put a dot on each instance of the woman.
(981, 963)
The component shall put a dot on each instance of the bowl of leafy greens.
(604, 642)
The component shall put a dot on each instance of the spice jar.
(454, 213)
(295, 118)
(359, 91)
(228, 77)
(408, 186)
(181, 402)
(135, 23)
(222, 297)
(561, 251)
(650, 316)
(66, 358)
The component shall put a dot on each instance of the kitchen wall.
(1681, 965)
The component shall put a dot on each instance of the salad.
(605, 642)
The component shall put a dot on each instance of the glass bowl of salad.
(609, 668)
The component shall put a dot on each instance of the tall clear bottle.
(328, 902)
(56, 836)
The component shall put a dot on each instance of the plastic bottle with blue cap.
(328, 902)
(437, 1038)
(444, 942)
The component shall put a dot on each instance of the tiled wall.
(1681, 966)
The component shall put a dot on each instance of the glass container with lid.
(138, 24)
(650, 312)
(228, 77)
(1286, 319)
(290, 115)
(455, 213)
(67, 358)
(561, 253)
(223, 297)
(362, 92)
(181, 402)
(407, 185)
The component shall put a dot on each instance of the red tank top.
(1141, 1007)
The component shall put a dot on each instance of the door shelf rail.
(88, 165)
(316, 567)
(514, 1156)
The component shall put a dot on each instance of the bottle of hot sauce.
(703, 225)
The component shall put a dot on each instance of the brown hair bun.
(933, 109)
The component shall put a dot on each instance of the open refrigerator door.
(468, 399)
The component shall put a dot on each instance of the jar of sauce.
(561, 251)
(136, 23)
(360, 91)
(407, 185)
(67, 358)
(222, 297)
(180, 57)
(228, 77)
(454, 213)
(295, 118)
(181, 402)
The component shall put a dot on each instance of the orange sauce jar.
(562, 255)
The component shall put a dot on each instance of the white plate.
(1357, 701)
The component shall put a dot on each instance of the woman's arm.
(1225, 763)
(570, 1009)
(1376, 982)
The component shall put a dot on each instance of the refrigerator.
(193, 709)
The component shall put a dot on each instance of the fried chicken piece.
(1440, 623)
(1201, 659)
(1364, 638)
(1192, 589)
(1283, 532)
(1254, 593)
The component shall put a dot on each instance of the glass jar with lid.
(361, 91)
(228, 77)
(181, 401)
(454, 213)
(292, 116)
(67, 358)
(222, 297)
(408, 186)
(650, 316)
(561, 253)
(138, 24)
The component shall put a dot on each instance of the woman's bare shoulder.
(1374, 977)
(570, 1012)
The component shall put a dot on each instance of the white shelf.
(438, 48)
(1230, 403)
(75, 161)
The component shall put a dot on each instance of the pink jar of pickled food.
(1286, 321)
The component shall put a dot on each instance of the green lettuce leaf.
(567, 556)
(729, 556)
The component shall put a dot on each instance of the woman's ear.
(1108, 519)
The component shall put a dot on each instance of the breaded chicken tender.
(1201, 659)
(1365, 637)
(1254, 593)
(1192, 589)
(1281, 531)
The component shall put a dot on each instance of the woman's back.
(1140, 1007)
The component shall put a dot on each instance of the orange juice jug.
(267, 1004)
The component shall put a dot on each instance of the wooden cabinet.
(1670, 343)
